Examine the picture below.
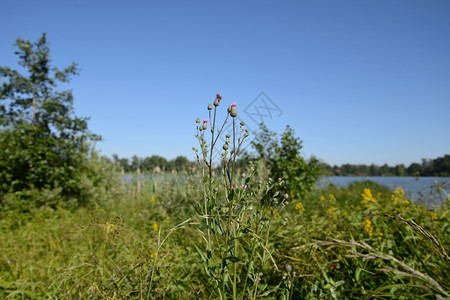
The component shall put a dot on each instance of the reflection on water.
(421, 190)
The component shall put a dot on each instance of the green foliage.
(108, 251)
(285, 162)
(44, 145)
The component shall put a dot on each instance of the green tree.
(44, 144)
(284, 161)
(136, 163)
(181, 163)
(442, 166)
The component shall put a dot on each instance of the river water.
(420, 190)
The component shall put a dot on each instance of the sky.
(360, 82)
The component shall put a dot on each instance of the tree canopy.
(44, 144)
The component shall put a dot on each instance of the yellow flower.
(367, 197)
(299, 206)
(331, 211)
(380, 235)
(368, 227)
(322, 198)
(153, 199)
(114, 230)
(155, 226)
(275, 213)
(154, 254)
(434, 216)
(398, 196)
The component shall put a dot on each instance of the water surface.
(419, 190)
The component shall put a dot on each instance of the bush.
(285, 162)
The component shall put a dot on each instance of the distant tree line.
(154, 163)
(428, 167)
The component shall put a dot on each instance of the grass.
(334, 245)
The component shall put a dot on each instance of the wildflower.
(368, 227)
(114, 230)
(232, 110)
(398, 196)
(380, 235)
(331, 211)
(244, 186)
(322, 198)
(434, 216)
(217, 101)
(367, 197)
(299, 206)
(153, 199)
(155, 226)
(205, 122)
(275, 213)
(154, 254)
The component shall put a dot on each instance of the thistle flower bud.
(227, 136)
(217, 101)
(233, 110)
(205, 122)
(209, 107)
(197, 121)
(242, 123)
(225, 147)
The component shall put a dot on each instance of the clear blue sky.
(359, 81)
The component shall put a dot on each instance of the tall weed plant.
(237, 217)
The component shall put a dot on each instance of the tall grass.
(109, 251)
(202, 235)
